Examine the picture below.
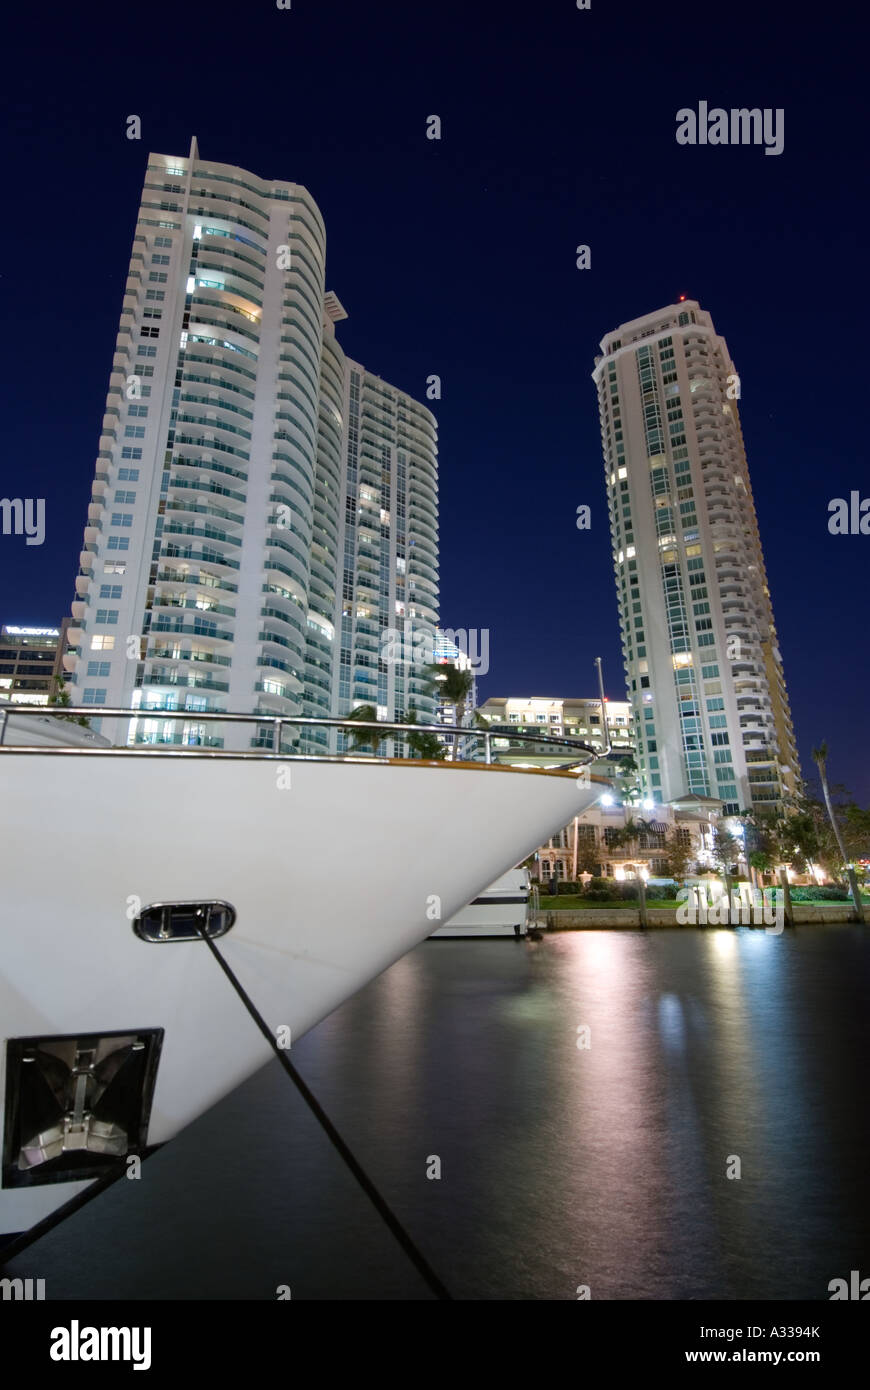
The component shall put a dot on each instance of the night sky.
(457, 257)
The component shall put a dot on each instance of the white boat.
(502, 909)
(118, 1026)
(29, 730)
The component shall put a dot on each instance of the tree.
(627, 779)
(60, 696)
(761, 861)
(678, 849)
(453, 685)
(362, 738)
(789, 837)
(857, 831)
(588, 857)
(820, 758)
(424, 745)
(630, 833)
(727, 850)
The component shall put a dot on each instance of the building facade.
(571, 718)
(29, 662)
(703, 667)
(262, 506)
(594, 844)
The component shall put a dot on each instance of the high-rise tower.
(703, 667)
(262, 507)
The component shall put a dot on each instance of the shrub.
(829, 893)
(599, 890)
(657, 891)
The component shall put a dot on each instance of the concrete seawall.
(604, 918)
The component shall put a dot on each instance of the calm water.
(559, 1166)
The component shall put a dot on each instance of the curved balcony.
(210, 487)
(209, 608)
(210, 533)
(194, 656)
(207, 555)
(200, 578)
(277, 695)
(421, 566)
(286, 619)
(210, 633)
(418, 607)
(266, 661)
(295, 648)
(185, 679)
(184, 505)
(284, 561)
(279, 594)
(423, 543)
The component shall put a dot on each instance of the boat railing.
(271, 728)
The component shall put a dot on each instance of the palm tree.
(453, 685)
(627, 779)
(424, 745)
(60, 696)
(361, 738)
(820, 758)
(631, 832)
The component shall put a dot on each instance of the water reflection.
(604, 1164)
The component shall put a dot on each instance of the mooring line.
(14, 1247)
(415, 1255)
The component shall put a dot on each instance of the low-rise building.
(596, 844)
(569, 718)
(30, 657)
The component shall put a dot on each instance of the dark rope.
(14, 1247)
(416, 1257)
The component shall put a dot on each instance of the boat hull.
(334, 868)
(502, 909)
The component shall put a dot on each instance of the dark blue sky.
(458, 258)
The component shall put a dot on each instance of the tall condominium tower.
(263, 508)
(703, 668)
